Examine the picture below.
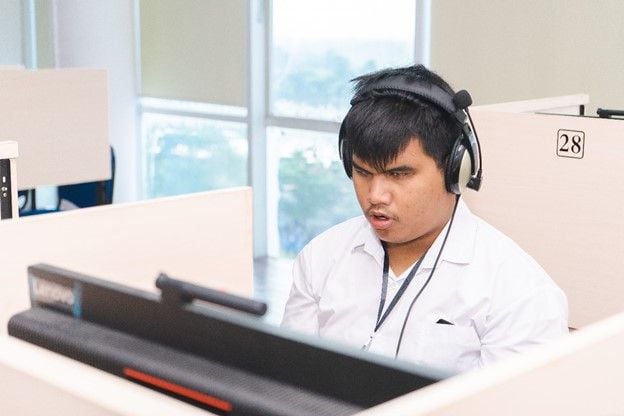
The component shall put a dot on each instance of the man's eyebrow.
(396, 169)
(355, 165)
(399, 169)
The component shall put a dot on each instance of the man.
(419, 277)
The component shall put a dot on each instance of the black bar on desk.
(179, 292)
(6, 199)
(606, 113)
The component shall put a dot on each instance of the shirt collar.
(459, 247)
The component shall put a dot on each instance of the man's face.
(407, 200)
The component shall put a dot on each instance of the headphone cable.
(435, 264)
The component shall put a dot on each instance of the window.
(314, 191)
(195, 57)
(193, 60)
(316, 48)
(190, 154)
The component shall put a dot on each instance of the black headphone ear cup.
(458, 168)
(345, 155)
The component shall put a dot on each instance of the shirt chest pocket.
(451, 347)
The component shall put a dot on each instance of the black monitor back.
(228, 357)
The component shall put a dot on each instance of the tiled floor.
(272, 280)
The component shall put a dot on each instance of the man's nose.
(379, 191)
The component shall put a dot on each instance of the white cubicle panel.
(552, 184)
(59, 117)
(37, 382)
(205, 238)
(582, 374)
(565, 104)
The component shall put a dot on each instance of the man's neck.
(403, 255)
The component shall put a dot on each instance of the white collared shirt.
(497, 299)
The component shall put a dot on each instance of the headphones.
(463, 167)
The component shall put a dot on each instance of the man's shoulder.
(508, 259)
(495, 238)
(490, 243)
(491, 237)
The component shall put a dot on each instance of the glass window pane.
(188, 154)
(318, 46)
(314, 193)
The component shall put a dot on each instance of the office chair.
(80, 195)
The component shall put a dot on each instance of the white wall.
(518, 50)
(10, 32)
(95, 33)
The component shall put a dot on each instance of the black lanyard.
(384, 289)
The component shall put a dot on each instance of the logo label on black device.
(56, 295)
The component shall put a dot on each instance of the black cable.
(435, 264)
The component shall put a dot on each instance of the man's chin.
(386, 236)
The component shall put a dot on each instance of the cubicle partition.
(59, 118)
(204, 238)
(551, 183)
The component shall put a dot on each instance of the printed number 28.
(570, 143)
(574, 146)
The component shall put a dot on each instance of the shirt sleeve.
(301, 311)
(536, 317)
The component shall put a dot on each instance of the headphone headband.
(428, 91)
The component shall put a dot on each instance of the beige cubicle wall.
(59, 118)
(565, 211)
(205, 238)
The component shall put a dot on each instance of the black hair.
(381, 123)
